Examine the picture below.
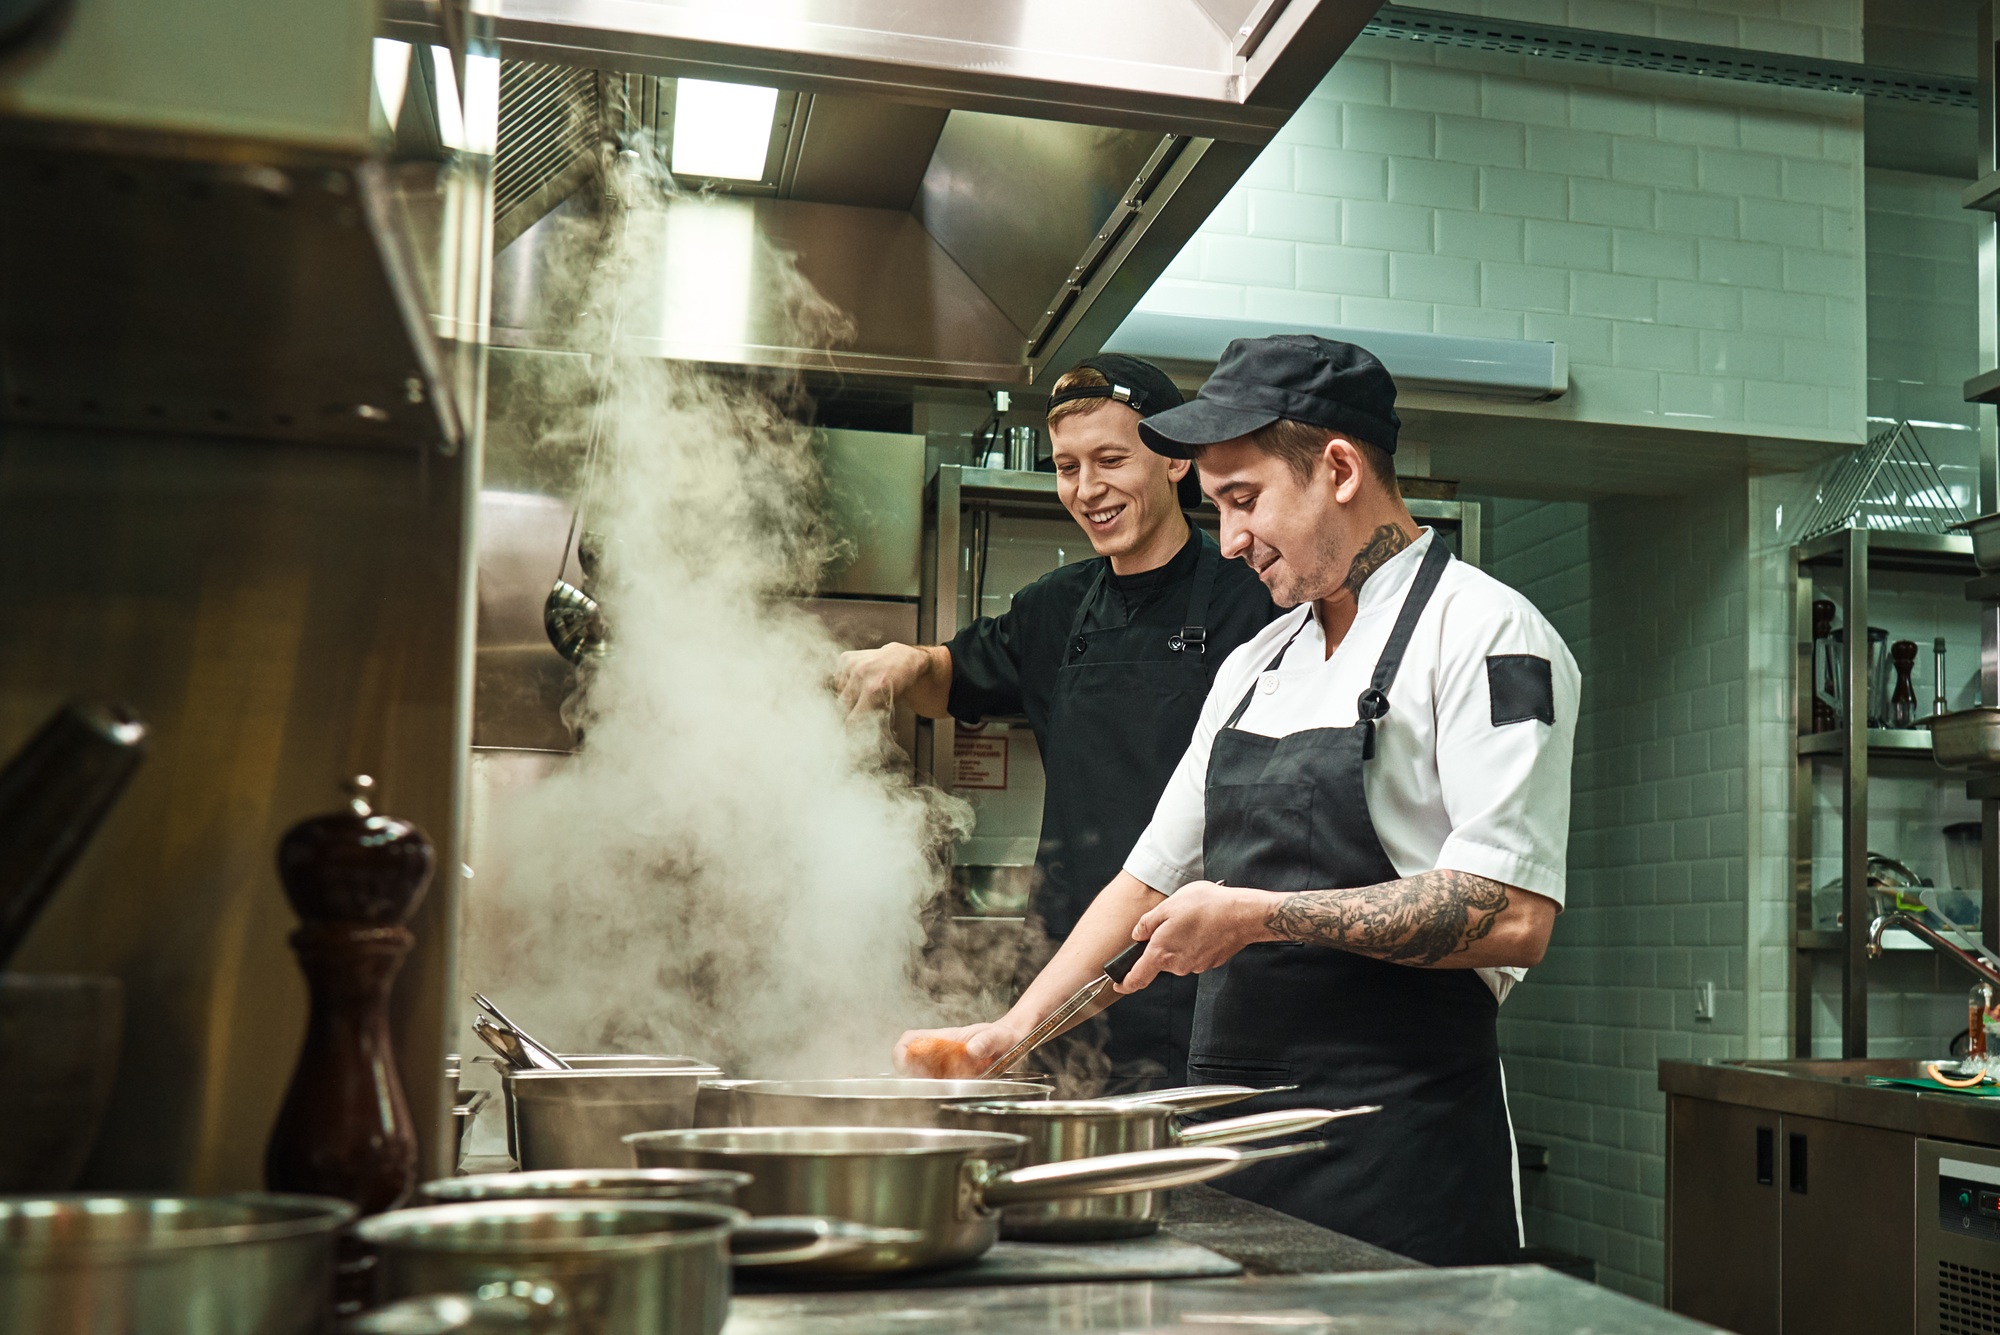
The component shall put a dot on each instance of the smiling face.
(1119, 492)
(1297, 533)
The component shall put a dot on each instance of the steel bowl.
(575, 1118)
(603, 1267)
(649, 1184)
(889, 1101)
(253, 1264)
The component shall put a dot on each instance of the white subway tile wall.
(1696, 243)
(1651, 597)
(1829, 28)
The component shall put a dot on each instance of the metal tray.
(1966, 738)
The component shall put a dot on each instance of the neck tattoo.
(1384, 543)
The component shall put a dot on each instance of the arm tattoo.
(1384, 543)
(1418, 920)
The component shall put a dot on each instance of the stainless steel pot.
(1083, 1129)
(599, 1267)
(90, 1264)
(945, 1187)
(648, 1184)
(575, 1118)
(890, 1101)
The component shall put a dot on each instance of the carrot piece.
(945, 1058)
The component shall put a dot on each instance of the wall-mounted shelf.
(1886, 743)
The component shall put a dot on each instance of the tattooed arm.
(1436, 919)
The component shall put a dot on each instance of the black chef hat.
(1301, 377)
(1139, 385)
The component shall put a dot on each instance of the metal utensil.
(540, 1054)
(1064, 1130)
(889, 1101)
(1083, 1003)
(505, 1042)
(253, 1264)
(945, 1187)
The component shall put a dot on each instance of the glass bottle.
(1903, 698)
(1980, 1006)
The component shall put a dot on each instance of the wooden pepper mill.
(354, 878)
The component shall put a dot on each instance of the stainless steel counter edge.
(1844, 1098)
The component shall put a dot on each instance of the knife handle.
(1121, 964)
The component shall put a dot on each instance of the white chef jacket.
(1458, 781)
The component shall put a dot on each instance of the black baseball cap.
(1137, 384)
(1300, 377)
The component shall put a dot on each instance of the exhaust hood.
(986, 189)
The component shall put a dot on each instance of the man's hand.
(954, 1054)
(873, 679)
(1197, 928)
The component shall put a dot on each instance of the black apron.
(1430, 1176)
(1124, 707)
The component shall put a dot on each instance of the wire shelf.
(1889, 485)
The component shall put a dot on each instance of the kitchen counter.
(1838, 1091)
(1496, 1300)
(1267, 1242)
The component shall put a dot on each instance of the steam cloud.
(725, 868)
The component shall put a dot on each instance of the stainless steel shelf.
(1899, 743)
(1889, 549)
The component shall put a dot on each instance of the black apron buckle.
(1192, 639)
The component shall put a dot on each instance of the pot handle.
(1110, 1175)
(1195, 1098)
(798, 1239)
(1263, 1126)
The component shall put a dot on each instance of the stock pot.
(887, 1101)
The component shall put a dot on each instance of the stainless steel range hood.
(986, 188)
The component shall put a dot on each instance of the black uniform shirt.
(1008, 664)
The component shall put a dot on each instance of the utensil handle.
(1121, 964)
(1263, 1126)
(1196, 1098)
(799, 1239)
(1111, 1175)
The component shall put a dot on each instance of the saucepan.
(1081, 1129)
(946, 1187)
(643, 1184)
(252, 1264)
(889, 1101)
(598, 1267)
(574, 1118)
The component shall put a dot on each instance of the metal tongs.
(1084, 1003)
(514, 1044)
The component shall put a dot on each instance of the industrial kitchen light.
(722, 130)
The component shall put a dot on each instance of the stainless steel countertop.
(1838, 1091)
(1500, 1300)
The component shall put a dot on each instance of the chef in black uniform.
(1364, 846)
(1109, 659)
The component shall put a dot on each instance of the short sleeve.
(986, 668)
(1506, 702)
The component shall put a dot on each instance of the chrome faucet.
(1923, 931)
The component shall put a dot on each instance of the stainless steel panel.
(1957, 1268)
(875, 499)
(864, 152)
(520, 680)
(1016, 202)
(283, 616)
(1722, 1222)
(704, 290)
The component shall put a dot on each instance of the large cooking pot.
(946, 1187)
(638, 1184)
(574, 1118)
(1088, 1128)
(93, 1264)
(888, 1101)
(598, 1267)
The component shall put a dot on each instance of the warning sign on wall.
(978, 761)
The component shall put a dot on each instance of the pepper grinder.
(1903, 698)
(354, 878)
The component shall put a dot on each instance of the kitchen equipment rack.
(1856, 553)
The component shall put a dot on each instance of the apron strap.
(1374, 702)
(1193, 637)
(1075, 636)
